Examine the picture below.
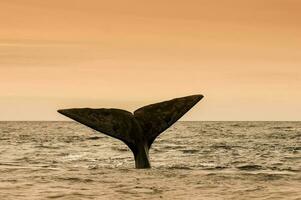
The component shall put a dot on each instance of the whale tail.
(137, 130)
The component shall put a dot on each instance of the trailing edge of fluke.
(137, 130)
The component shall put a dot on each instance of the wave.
(250, 167)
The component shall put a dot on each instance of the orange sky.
(243, 55)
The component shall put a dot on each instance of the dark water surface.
(191, 160)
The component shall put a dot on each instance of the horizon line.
(178, 121)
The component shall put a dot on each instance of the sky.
(244, 56)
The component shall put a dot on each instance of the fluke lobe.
(137, 130)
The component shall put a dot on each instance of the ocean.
(190, 160)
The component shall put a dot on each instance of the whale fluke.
(137, 130)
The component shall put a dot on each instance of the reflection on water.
(191, 160)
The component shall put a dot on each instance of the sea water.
(191, 160)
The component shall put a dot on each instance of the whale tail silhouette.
(137, 130)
